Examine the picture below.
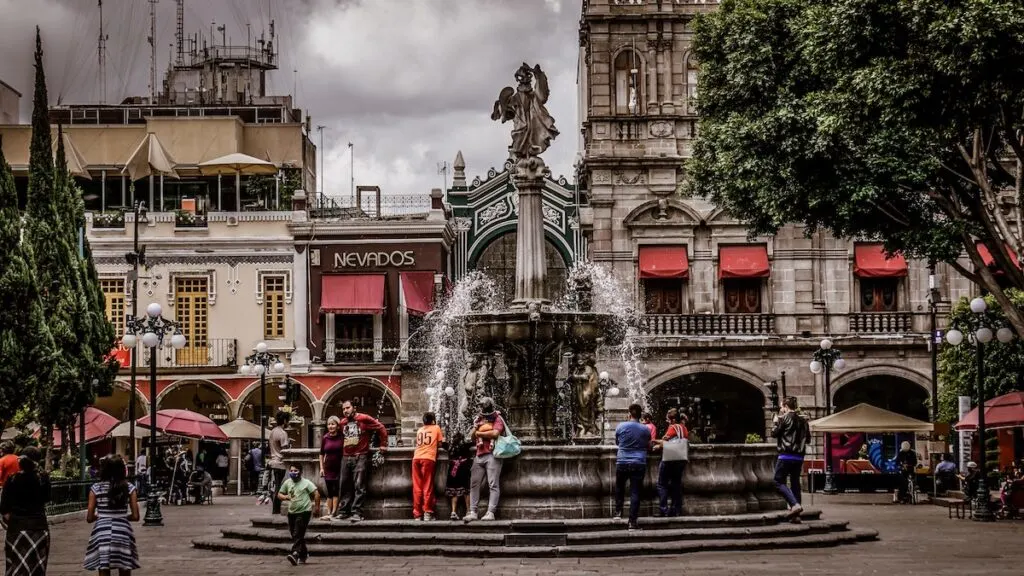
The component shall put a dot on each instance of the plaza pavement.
(912, 540)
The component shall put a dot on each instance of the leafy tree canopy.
(900, 121)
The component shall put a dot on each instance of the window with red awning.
(418, 291)
(352, 294)
(987, 258)
(663, 262)
(743, 261)
(871, 261)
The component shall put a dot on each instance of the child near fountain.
(428, 438)
(460, 468)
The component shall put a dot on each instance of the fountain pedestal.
(531, 268)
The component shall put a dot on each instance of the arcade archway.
(117, 403)
(721, 409)
(372, 397)
(892, 393)
(498, 261)
(301, 429)
(200, 396)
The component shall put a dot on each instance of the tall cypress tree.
(26, 347)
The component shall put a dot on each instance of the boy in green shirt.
(296, 491)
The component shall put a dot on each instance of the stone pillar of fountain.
(531, 267)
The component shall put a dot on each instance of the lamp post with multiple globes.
(826, 359)
(980, 334)
(153, 328)
(259, 363)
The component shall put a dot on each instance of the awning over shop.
(987, 258)
(743, 261)
(664, 262)
(418, 291)
(869, 419)
(352, 294)
(871, 261)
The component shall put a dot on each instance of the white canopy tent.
(868, 418)
(237, 164)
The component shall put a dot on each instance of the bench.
(956, 505)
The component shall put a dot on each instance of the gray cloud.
(409, 82)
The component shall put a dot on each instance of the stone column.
(531, 268)
(652, 75)
(300, 311)
(319, 428)
(329, 350)
(667, 105)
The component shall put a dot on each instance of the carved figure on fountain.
(533, 128)
(587, 385)
(477, 380)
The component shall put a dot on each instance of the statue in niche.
(533, 128)
(588, 394)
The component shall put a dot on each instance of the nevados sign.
(396, 259)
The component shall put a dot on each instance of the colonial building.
(726, 315)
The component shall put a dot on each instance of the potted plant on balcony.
(188, 219)
(108, 219)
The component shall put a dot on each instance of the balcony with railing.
(368, 208)
(678, 325)
(379, 350)
(212, 354)
(881, 323)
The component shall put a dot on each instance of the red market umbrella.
(185, 423)
(1006, 411)
(97, 424)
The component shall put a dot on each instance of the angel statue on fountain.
(533, 128)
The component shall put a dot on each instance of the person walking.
(358, 430)
(424, 460)
(331, 452)
(113, 506)
(23, 507)
(633, 440)
(279, 441)
(256, 454)
(486, 428)
(140, 474)
(296, 491)
(670, 473)
(792, 433)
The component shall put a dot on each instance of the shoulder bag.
(506, 445)
(676, 449)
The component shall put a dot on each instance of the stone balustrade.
(661, 325)
(881, 323)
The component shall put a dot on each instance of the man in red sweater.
(357, 429)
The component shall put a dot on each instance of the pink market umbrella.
(97, 424)
(1006, 411)
(185, 423)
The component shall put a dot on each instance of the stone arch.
(641, 84)
(849, 376)
(254, 386)
(182, 384)
(551, 234)
(110, 405)
(633, 218)
(714, 367)
(340, 385)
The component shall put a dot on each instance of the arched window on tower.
(627, 83)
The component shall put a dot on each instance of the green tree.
(958, 365)
(26, 347)
(869, 118)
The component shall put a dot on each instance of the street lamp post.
(934, 338)
(135, 258)
(827, 358)
(153, 328)
(980, 334)
(260, 362)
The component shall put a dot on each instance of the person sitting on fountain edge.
(488, 426)
(633, 440)
(357, 429)
(792, 432)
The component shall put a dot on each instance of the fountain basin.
(487, 330)
(567, 482)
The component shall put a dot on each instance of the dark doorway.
(721, 409)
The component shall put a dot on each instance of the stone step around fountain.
(532, 539)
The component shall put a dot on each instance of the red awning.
(418, 290)
(352, 294)
(871, 261)
(743, 261)
(987, 258)
(664, 262)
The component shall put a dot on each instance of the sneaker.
(357, 517)
(632, 527)
(342, 516)
(488, 517)
(471, 517)
(417, 518)
(617, 517)
(428, 516)
(293, 560)
(795, 511)
(302, 560)
(454, 517)
(327, 517)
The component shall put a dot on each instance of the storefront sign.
(395, 259)
(964, 405)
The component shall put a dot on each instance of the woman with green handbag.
(487, 428)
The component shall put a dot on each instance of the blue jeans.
(634, 474)
(789, 470)
(670, 485)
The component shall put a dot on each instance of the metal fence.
(70, 495)
(345, 207)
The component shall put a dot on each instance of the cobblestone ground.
(912, 540)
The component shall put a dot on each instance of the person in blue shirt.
(633, 440)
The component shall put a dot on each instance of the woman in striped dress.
(113, 506)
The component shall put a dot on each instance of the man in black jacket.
(792, 433)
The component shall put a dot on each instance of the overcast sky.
(409, 82)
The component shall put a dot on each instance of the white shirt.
(140, 464)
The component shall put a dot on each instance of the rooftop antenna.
(320, 129)
(101, 48)
(179, 35)
(152, 51)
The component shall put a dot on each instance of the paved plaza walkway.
(912, 540)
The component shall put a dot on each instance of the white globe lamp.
(259, 369)
(1004, 335)
(984, 335)
(430, 390)
(840, 364)
(244, 369)
(261, 348)
(154, 309)
(954, 337)
(150, 339)
(613, 391)
(825, 344)
(816, 367)
(449, 391)
(604, 375)
(978, 305)
(129, 340)
(178, 341)
(279, 367)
